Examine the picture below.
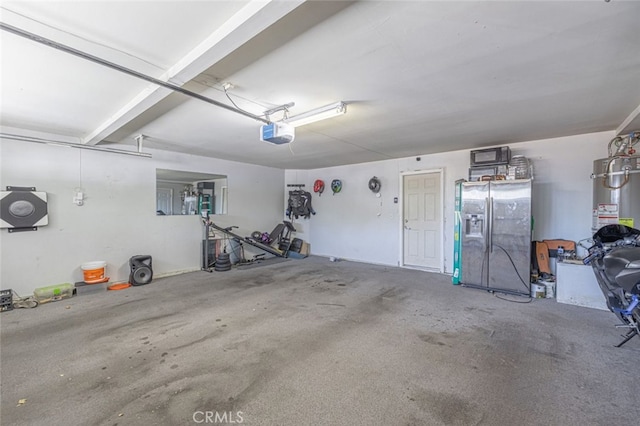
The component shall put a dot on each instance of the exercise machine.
(281, 239)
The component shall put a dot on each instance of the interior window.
(190, 193)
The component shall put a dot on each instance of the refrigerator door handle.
(491, 225)
(486, 231)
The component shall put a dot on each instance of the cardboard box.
(305, 250)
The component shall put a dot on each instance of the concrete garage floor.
(313, 342)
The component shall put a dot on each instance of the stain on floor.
(313, 342)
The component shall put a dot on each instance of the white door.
(422, 220)
(164, 201)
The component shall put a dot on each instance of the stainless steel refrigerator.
(496, 235)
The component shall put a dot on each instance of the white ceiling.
(419, 77)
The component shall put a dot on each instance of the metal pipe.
(72, 145)
(89, 57)
(139, 140)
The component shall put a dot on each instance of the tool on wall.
(336, 186)
(375, 185)
(23, 209)
(318, 187)
(299, 204)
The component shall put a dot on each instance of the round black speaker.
(141, 271)
(142, 275)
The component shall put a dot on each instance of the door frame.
(401, 263)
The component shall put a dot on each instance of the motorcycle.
(615, 259)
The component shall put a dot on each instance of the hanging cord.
(291, 149)
(485, 260)
(225, 243)
(514, 301)
(514, 265)
(519, 276)
(227, 86)
(79, 188)
(285, 109)
(290, 144)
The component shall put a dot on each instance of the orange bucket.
(93, 271)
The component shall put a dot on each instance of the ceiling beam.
(250, 21)
(630, 124)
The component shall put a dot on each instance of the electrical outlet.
(78, 199)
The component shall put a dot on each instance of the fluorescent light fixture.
(328, 111)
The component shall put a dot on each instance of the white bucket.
(538, 291)
(550, 289)
(93, 271)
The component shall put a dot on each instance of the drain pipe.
(108, 64)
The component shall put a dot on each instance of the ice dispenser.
(474, 225)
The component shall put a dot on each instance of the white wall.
(356, 225)
(118, 218)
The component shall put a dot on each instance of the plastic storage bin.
(53, 292)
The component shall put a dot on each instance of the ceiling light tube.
(328, 111)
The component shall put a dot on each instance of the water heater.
(616, 185)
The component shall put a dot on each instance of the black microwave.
(491, 156)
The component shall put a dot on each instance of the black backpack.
(299, 204)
